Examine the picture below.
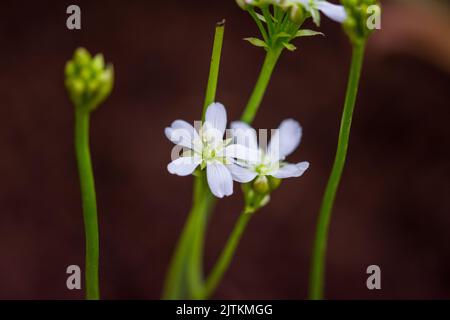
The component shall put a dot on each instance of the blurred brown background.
(393, 208)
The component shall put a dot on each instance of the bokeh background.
(393, 208)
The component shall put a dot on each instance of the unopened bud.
(88, 81)
(261, 185)
(358, 14)
(274, 183)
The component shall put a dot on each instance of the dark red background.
(392, 209)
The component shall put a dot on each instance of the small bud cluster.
(257, 192)
(296, 11)
(88, 81)
(358, 14)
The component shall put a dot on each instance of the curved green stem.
(257, 96)
(316, 285)
(89, 202)
(227, 254)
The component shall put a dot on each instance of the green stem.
(214, 67)
(89, 202)
(257, 96)
(316, 285)
(227, 254)
(184, 279)
(176, 285)
(201, 216)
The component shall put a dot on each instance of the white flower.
(333, 11)
(270, 161)
(207, 149)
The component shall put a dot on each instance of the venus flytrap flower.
(271, 160)
(264, 175)
(206, 148)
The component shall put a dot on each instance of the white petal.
(241, 174)
(291, 170)
(333, 11)
(216, 116)
(181, 124)
(244, 134)
(285, 140)
(183, 166)
(182, 133)
(219, 180)
(238, 151)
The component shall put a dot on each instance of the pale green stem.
(89, 202)
(257, 96)
(184, 279)
(316, 285)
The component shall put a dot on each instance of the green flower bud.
(297, 13)
(357, 26)
(88, 81)
(98, 63)
(261, 185)
(274, 183)
(82, 57)
(253, 199)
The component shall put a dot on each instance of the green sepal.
(257, 42)
(308, 33)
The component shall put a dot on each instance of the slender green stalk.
(89, 202)
(316, 285)
(195, 271)
(227, 254)
(257, 96)
(185, 276)
(206, 198)
(214, 69)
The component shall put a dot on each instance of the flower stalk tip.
(88, 80)
(358, 13)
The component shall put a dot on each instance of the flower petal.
(216, 116)
(241, 174)
(238, 151)
(183, 166)
(291, 170)
(244, 134)
(182, 133)
(285, 140)
(333, 11)
(219, 179)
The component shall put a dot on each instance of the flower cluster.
(298, 7)
(88, 80)
(238, 158)
(359, 11)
